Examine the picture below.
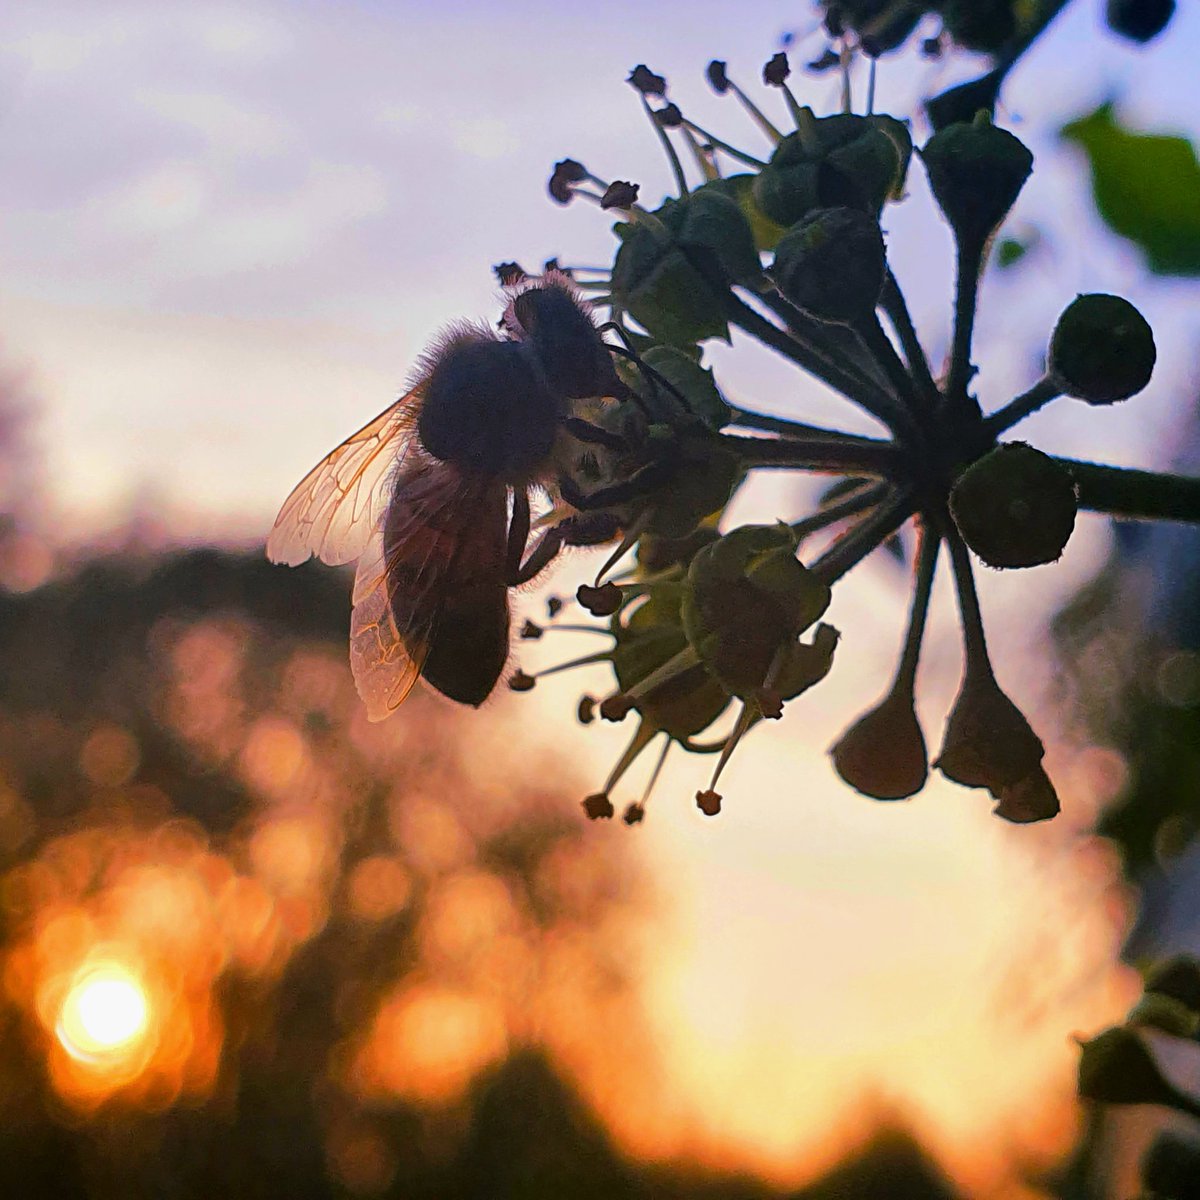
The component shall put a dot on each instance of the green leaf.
(1147, 189)
(1010, 251)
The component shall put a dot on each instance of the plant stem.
(1017, 410)
(797, 430)
(672, 156)
(880, 346)
(970, 262)
(836, 343)
(831, 457)
(1135, 495)
(974, 639)
(850, 549)
(877, 402)
(927, 556)
(893, 303)
(849, 507)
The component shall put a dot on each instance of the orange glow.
(106, 1013)
(429, 1042)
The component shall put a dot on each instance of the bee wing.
(385, 662)
(439, 548)
(333, 510)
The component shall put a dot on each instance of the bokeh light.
(105, 1014)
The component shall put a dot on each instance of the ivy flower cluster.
(784, 245)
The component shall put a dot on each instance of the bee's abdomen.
(444, 540)
(487, 409)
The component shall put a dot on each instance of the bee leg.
(594, 435)
(518, 532)
(540, 557)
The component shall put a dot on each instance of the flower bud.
(586, 711)
(709, 803)
(1117, 1068)
(832, 265)
(843, 159)
(598, 807)
(1139, 20)
(634, 814)
(518, 681)
(673, 274)
(1102, 349)
(976, 172)
(747, 597)
(987, 743)
(1015, 507)
(882, 755)
(531, 631)
(1030, 799)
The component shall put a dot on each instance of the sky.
(226, 233)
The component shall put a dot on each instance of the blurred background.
(251, 945)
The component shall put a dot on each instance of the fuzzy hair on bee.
(433, 496)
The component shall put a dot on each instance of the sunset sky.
(227, 231)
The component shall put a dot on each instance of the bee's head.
(549, 314)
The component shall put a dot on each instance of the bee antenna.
(656, 378)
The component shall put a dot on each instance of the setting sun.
(105, 1013)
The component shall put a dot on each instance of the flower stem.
(974, 639)
(835, 456)
(1135, 495)
(877, 402)
(669, 149)
(851, 506)
(970, 261)
(1017, 410)
(894, 304)
(850, 549)
(927, 556)
(797, 430)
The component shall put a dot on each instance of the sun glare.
(105, 1013)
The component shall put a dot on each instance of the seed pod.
(976, 172)
(832, 265)
(987, 743)
(1102, 349)
(1015, 507)
(882, 755)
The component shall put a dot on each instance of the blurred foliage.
(368, 969)
(1137, 686)
(1147, 188)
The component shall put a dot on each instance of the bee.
(433, 496)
